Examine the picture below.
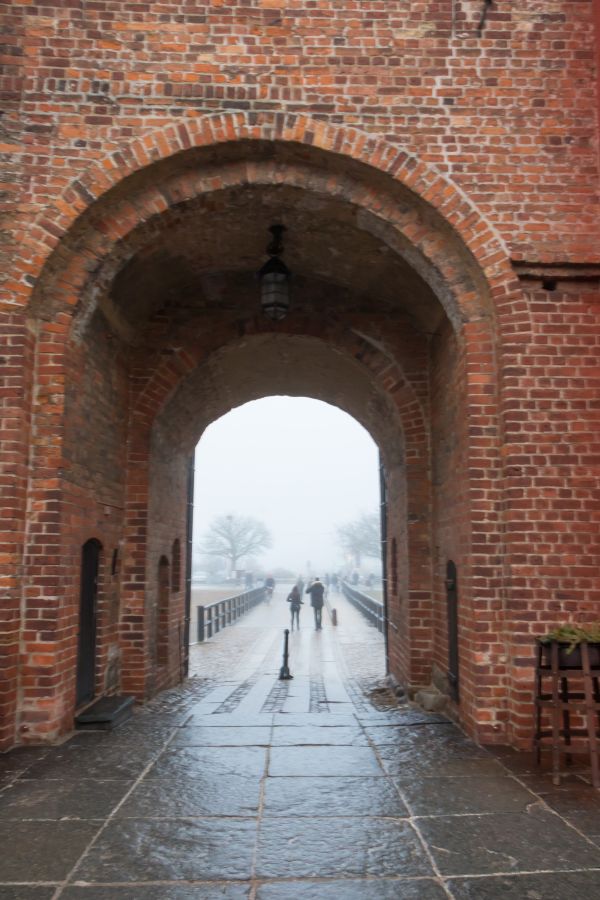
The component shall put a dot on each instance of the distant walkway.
(335, 660)
(238, 785)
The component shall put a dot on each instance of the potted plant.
(569, 639)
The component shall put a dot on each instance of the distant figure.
(300, 585)
(249, 581)
(317, 592)
(270, 586)
(334, 581)
(355, 578)
(294, 598)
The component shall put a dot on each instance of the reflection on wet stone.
(204, 817)
(323, 761)
(211, 891)
(202, 795)
(201, 736)
(188, 762)
(350, 889)
(332, 797)
(171, 850)
(313, 734)
(312, 847)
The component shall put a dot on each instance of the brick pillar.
(15, 385)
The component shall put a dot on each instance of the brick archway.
(422, 180)
(94, 206)
(177, 401)
(461, 256)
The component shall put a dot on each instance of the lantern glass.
(274, 289)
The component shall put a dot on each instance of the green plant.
(573, 635)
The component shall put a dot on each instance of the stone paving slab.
(42, 851)
(549, 886)
(397, 734)
(171, 850)
(170, 891)
(203, 736)
(354, 889)
(19, 760)
(521, 842)
(227, 720)
(396, 718)
(251, 802)
(452, 795)
(356, 846)
(185, 763)
(573, 800)
(332, 720)
(23, 892)
(406, 764)
(341, 796)
(202, 795)
(323, 761)
(69, 799)
(98, 762)
(296, 735)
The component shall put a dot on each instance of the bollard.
(284, 672)
(334, 616)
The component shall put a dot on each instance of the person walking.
(296, 602)
(317, 592)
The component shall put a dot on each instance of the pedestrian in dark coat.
(317, 593)
(296, 602)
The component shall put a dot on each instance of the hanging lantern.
(275, 279)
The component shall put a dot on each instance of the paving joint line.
(411, 818)
(67, 880)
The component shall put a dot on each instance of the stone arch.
(185, 399)
(97, 215)
(423, 181)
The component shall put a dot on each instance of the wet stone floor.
(237, 785)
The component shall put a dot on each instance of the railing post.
(214, 616)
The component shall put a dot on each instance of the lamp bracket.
(275, 247)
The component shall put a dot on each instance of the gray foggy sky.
(299, 465)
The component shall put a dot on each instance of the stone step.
(106, 713)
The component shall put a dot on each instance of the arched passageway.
(147, 328)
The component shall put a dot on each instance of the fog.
(300, 466)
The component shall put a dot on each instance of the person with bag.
(296, 602)
(317, 593)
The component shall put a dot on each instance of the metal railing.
(213, 617)
(370, 608)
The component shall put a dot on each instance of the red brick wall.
(451, 507)
(508, 117)
(16, 359)
(77, 494)
(552, 465)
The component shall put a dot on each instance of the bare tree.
(362, 537)
(234, 537)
